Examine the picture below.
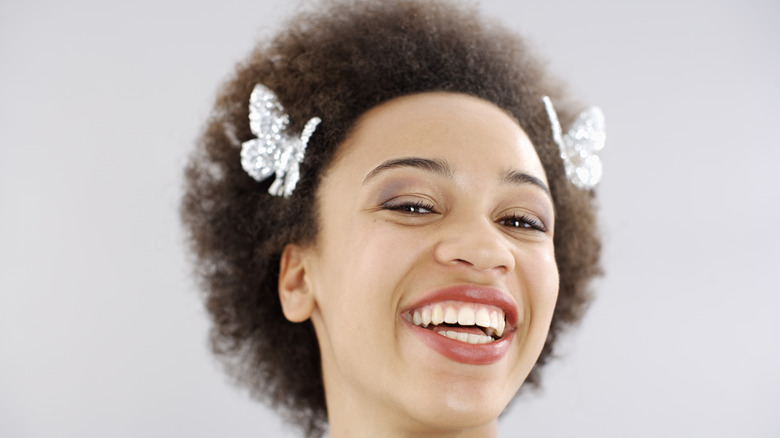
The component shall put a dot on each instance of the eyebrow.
(444, 169)
(434, 166)
(515, 177)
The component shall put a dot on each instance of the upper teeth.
(466, 314)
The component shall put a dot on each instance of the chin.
(444, 417)
(450, 395)
(462, 405)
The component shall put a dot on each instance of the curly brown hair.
(336, 65)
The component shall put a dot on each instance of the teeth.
(476, 339)
(426, 316)
(438, 315)
(450, 315)
(466, 315)
(483, 317)
(465, 337)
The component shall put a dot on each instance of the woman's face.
(435, 223)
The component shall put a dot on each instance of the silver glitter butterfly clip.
(273, 152)
(580, 146)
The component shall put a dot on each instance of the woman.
(387, 236)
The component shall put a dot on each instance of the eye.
(408, 207)
(522, 221)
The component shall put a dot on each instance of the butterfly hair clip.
(273, 152)
(580, 146)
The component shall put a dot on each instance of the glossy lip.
(474, 354)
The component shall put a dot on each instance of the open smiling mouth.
(465, 322)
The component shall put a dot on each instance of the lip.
(473, 354)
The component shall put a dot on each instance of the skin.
(392, 233)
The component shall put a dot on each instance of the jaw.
(448, 398)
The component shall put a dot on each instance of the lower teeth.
(469, 338)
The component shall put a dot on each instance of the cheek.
(377, 250)
(538, 274)
(364, 269)
(541, 274)
(382, 258)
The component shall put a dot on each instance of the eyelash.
(415, 209)
(411, 208)
(525, 222)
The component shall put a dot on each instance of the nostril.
(480, 266)
(476, 252)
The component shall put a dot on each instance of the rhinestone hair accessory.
(273, 152)
(580, 145)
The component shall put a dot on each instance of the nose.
(476, 244)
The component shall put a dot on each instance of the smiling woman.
(401, 244)
(402, 256)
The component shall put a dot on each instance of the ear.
(294, 291)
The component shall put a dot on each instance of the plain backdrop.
(103, 334)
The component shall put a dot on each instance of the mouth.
(470, 323)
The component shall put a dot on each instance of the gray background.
(102, 332)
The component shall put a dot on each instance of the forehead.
(465, 131)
